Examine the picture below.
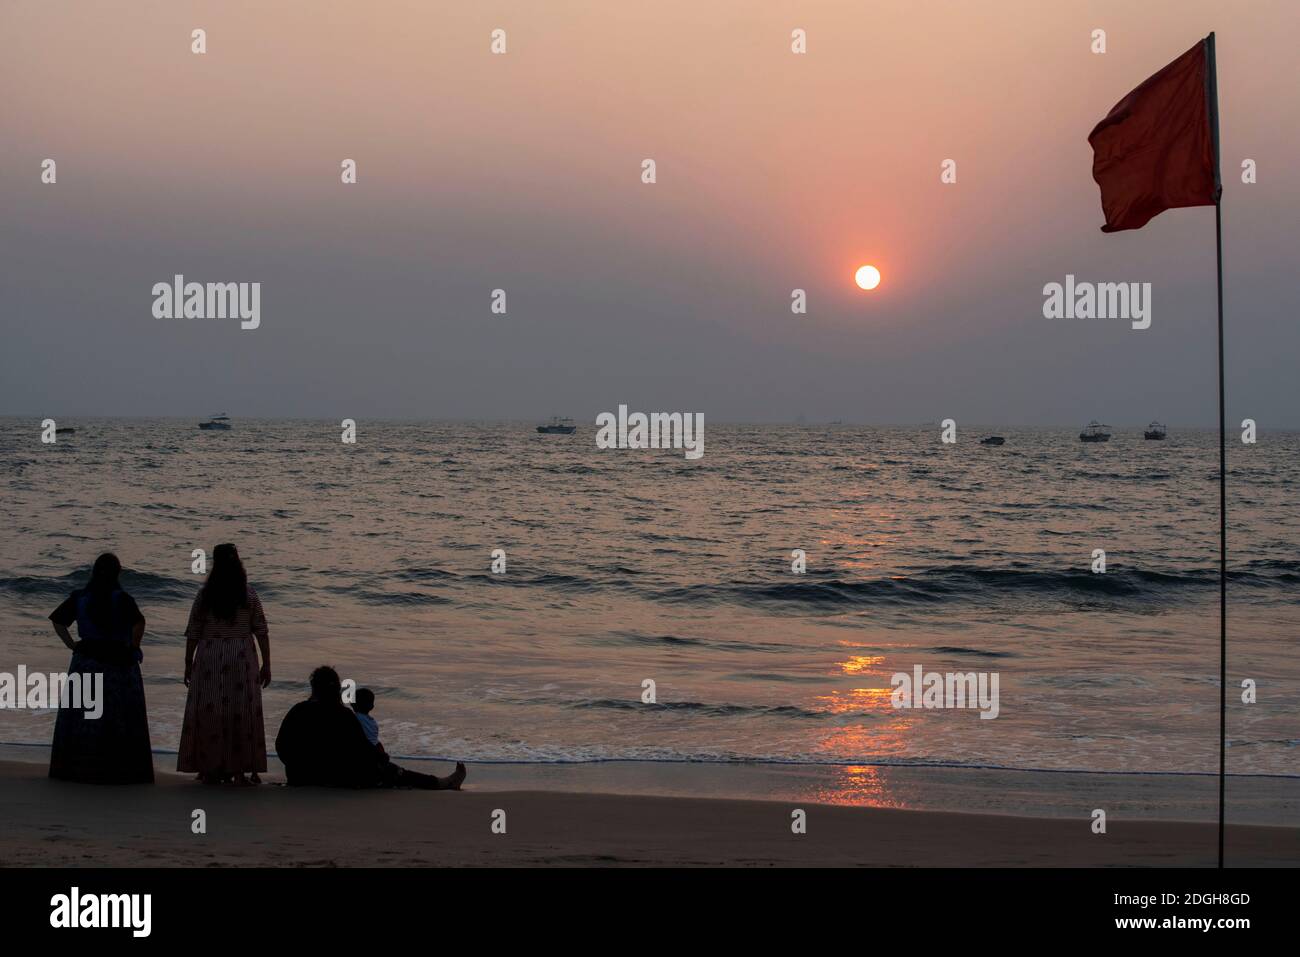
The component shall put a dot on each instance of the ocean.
(628, 566)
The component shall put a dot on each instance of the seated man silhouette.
(321, 742)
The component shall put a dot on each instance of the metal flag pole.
(1223, 543)
(1212, 99)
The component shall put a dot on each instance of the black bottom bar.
(358, 910)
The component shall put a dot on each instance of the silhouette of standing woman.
(222, 738)
(112, 748)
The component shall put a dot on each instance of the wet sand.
(52, 823)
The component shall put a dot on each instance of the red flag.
(1158, 147)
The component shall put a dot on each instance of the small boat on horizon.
(1155, 431)
(64, 430)
(993, 440)
(217, 422)
(558, 426)
(1094, 431)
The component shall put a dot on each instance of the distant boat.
(993, 440)
(1155, 431)
(64, 430)
(218, 422)
(558, 426)
(1095, 432)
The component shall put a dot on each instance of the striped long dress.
(223, 731)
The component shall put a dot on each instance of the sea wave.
(705, 709)
(1125, 587)
(141, 585)
(596, 756)
(1132, 587)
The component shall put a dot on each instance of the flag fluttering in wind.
(1156, 149)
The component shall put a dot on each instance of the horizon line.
(511, 420)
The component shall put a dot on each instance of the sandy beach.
(50, 823)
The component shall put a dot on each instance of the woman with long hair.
(222, 738)
(111, 747)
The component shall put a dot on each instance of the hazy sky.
(523, 172)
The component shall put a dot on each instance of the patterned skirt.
(223, 731)
(110, 749)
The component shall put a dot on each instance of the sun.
(867, 277)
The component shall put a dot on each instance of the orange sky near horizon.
(775, 170)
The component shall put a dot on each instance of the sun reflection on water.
(860, 664)
(860, 785)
